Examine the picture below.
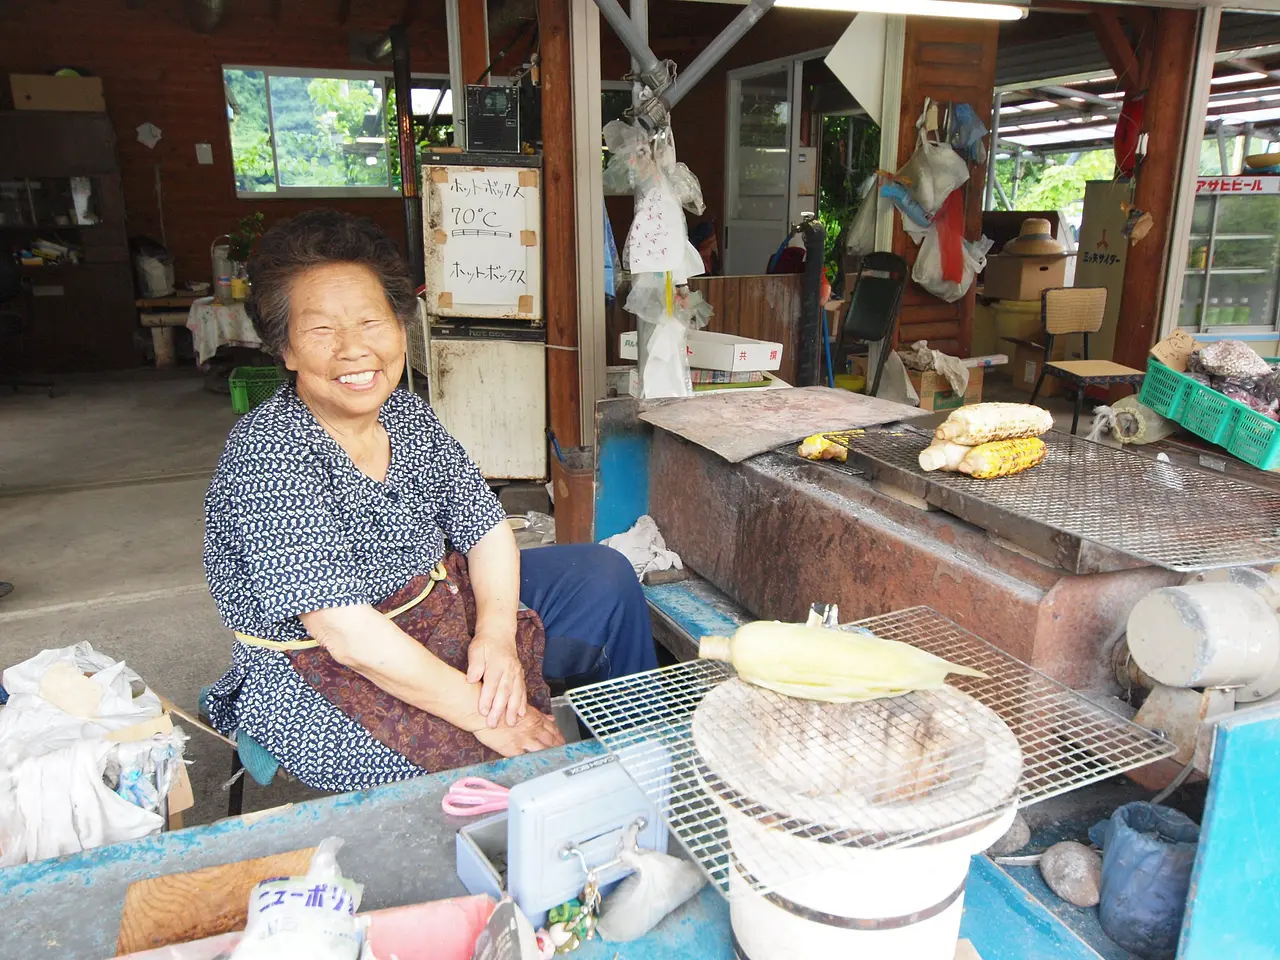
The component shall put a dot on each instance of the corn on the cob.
(1002, 458)
(943, 455)
(819, 447)
(985, 422)
(834, 666)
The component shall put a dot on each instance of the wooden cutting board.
(180, 907)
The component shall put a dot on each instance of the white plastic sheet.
(54, 751)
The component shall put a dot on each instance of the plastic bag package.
(1148, 853)
(1232, 358)
(54, 756)
(1250, 391)
(967, 131)
(861, 239)
(305, 918)
(659, 885)
(911, 209)
(933, 171)
(928, 266)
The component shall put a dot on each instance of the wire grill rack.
(1172, 517)
(737, 784)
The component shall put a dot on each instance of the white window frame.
(286, 192)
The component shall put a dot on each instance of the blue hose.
(826, 343)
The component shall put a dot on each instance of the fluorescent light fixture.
(1237, 78)
(371, 139)
(955, 9)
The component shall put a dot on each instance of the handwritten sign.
(1227, 185)
(483, 250)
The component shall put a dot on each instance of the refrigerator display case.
(1233, 265)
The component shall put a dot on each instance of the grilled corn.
(819, 447)
(985, 422)
(834, 666)
(1002, 458)
(943, 455)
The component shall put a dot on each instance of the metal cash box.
(588, 806)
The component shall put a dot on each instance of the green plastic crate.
(251, 385)
(1247, 434)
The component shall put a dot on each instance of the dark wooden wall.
(947, 60)
(156, 68)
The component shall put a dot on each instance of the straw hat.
(1035, 239)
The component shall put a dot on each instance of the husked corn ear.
(834, 666)
(1002, 458)
(819, 447)
(943, 455)
(984, 422)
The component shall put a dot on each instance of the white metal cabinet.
(492, 396)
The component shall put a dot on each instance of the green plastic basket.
(251, 385)
(1247, 434)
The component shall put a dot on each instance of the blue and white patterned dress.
(291, 526)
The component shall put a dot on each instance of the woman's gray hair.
(315, 239)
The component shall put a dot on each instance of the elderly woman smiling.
(385, 622)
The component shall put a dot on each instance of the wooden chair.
(1067, 310)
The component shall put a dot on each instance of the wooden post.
(560, 267)
(473, 36)
(1172, 58)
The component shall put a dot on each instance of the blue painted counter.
(401, 846)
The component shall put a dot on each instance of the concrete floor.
(101, 524)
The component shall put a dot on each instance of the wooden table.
(161, 315)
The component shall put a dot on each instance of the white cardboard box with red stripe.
(717, 351)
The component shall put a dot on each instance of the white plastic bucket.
(883, 904)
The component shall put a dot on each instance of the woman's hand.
(533, 732)
(493, 660)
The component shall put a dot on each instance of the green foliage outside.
(1054, 182)
(329, 132)
(840, 180)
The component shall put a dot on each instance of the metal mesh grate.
(887, 773)
(1172, 517)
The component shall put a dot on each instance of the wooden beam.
(473, 35)
(559, 218)
(1115, 46)
(1168, 93)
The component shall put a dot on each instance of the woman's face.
(345, 343)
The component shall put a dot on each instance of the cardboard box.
(33, 91)
(1022, 278)
(1028, 358)
(936, 393)
(771, 383)
(717, 351)
(1175, 350)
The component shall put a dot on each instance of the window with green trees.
(324, 133)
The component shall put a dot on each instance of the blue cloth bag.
(1148, 853)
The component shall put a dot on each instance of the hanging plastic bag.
(1148, 853)
(305, 918)
(911, 209)
(933, 171)
(928, 266)
(862, 232)
(659, 885)
(967, 131)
